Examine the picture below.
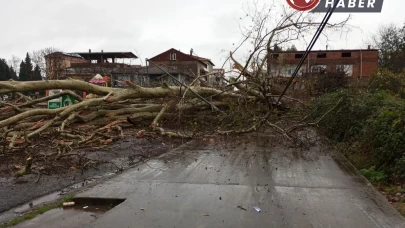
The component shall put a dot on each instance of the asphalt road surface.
(219, 181)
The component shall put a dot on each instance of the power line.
(309, 48)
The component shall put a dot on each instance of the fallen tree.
(247, 103)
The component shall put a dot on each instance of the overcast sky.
(149, 27)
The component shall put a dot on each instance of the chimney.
(369, 47)
(327, 47)
(191, 51)
(89, 50)
(102, 51)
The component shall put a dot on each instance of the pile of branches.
(242, 106)
(26, 124)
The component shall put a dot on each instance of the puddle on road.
(96, 205)
(52, 197)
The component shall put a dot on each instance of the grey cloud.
(149, 27)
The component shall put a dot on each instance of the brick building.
(57, 62)
(84, 65)
(354, 62)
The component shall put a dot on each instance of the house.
(157, 75)
(117, 65)
(356, 63)
(217, 79)
(58, 62)
(189, 65)
(84, 65)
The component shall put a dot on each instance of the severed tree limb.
(43, 99)
(30, 113)
(71, 84)
(13, 138)
(19, 94)
(245, 87)
(279, 130)
(26, 169)
(119, 128)
(66, 111)
(12, 106)
(159, 116)
(290, 98)
(316, 123)
(67, 121)
(162, 132)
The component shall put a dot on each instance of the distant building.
(189, 65)
(84, 65)
(355, 63)
(218, 77)
(156, 76)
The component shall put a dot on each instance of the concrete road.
(218, 182)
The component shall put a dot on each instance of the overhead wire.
(318, 32)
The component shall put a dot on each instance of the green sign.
(54, 104)
(63, 101)
(67, 100)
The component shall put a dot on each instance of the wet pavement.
(219, 181)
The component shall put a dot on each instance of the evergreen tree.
(36, 76)
(292, 48)
(277, 48)
(22, 76)
(4, 71)
(28, 63)
(390, 40)
(13, 74)
(26, 69)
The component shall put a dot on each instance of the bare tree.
(278, 25)
(271, 27)
(49, 61)
(15, 63)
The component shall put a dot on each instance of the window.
(321, 55)
(173, 56)
(319, 68)
(347, 69)
(289, 72)
(346, 54)
(299, 56)
(275, 56)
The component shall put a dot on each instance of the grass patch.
(32, 214)
(374, 176)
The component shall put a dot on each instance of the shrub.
(348, 119)
(370, 125)
(385, 135)
(387, 81)
(374, 176)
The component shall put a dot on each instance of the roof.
(187, 56)
(203, 59)
(342, 50)
(97, 55)
(221, 70)
(72, 55)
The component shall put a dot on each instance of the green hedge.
(369, 125)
